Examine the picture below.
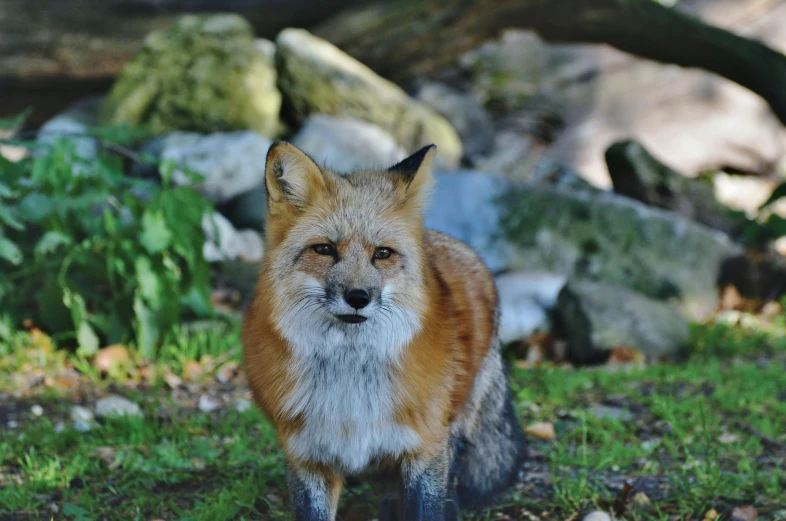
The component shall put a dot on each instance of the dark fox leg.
(424, 488)
(313, 494)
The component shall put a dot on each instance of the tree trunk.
(408, 38)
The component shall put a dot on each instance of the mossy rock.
(204, 74)
(316, 77)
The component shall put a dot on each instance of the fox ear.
(291, 176)
(415, 171)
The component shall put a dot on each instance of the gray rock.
(639, 175)
(525, 299)
(248, 210)
(231, 163)
(597, 317)
(223, 242)
(347, 144)
(316, 77)
(463, 206)
(206, 404)
(82, 418)
(243, 404)
(465, 113)
(204, 73)
(582, 234)
(116, 406)
(73, 125)
(604, 237)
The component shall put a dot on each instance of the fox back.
(371, 342)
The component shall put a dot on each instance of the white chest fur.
(347, 402)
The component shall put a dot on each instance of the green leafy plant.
(95, 256)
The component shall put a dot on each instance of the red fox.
(371, 345)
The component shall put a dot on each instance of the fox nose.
(357, 298)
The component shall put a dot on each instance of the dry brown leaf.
(192, 371)
(541, 430)
(172, 380)
(112, 358)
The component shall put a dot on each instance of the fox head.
(345, 256)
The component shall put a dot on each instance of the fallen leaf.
(112, 358)
(641, 499)
(744, 513)
(711, 515)
(192, 371)
(108, 455)
(172, 380)
(541, 430)
(227, 372)
(728, 437)
(624, 357)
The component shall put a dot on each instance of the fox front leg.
(424, 490)
(313, 493)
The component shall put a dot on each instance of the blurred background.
(618, 164)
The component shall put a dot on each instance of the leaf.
(35, 207)
(149, 284)
(9, 219)
(541, 430)
(156, 236)
(75, 511)
(147, 329)
(778, 192)
(88, 340)
(10, 252)
(50, 242)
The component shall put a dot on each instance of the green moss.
(204, 74)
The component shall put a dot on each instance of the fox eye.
(383, 253)
(324, 249)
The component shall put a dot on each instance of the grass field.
(691, 440)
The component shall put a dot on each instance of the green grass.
(706, 433)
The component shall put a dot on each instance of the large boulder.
(525, 301)
(464, 112)
(347, 144)
(590, 235)
(316, 77)
(230, 163)
(639, 175)
(204, 73)
(597, 317)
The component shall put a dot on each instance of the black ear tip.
(411, 164)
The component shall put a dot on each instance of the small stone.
(116, 406)
(242, 404)
(37, 410)
(59, 427)
(614, 413)
(206, 404)
(12, 424)
(728, 437)
(541, 430)
(597, 516)
(744, 513)
(82, 418)
(641, 499)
